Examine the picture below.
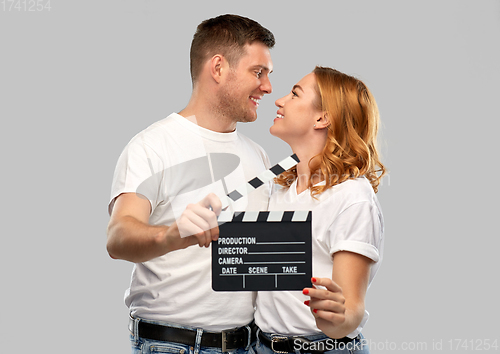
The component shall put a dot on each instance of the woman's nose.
(280, 102)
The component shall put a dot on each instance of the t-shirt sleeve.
(138, 170)
(357, 229)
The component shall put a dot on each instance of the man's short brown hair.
(225, 35)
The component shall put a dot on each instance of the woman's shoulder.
(349, 192)
(359, 186)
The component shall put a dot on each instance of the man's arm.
(132, 238)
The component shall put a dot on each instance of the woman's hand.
(339, 309)
(327, 305)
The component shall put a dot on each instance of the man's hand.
(198, 222)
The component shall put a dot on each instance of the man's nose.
(266, 86)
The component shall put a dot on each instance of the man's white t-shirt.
(346, 217)
(173, 163)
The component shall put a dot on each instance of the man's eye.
(258, 73)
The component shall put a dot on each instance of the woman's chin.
(275, 132)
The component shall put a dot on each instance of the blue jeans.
(357, 346)
(149, 346)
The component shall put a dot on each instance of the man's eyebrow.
(297, 87)
(263, 67)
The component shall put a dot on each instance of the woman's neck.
(306, 152)
(304, 178)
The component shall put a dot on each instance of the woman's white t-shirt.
(346, 217)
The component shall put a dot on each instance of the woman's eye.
(294, 94)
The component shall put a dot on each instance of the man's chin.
(248, 119)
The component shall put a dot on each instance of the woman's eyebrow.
(297, 87)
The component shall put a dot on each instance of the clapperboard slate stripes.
(258, 181)
(262, 251)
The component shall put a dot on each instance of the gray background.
(77, 82)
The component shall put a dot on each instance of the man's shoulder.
(160, 126)
(250, 142)
(156, 132)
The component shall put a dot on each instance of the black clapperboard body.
(263, 251)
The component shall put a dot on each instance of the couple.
(330, 121)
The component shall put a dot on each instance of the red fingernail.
(305, 291)
(315, 311)
(306, 302)
(313, 280)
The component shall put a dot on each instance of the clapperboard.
(262, 251)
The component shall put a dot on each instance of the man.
(164, 172)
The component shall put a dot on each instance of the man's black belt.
(226, 340)
(284, 344)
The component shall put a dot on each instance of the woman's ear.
(323, 121)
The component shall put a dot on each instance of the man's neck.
(203, 116)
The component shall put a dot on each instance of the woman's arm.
(340, 308)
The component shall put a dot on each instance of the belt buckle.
(277, 339)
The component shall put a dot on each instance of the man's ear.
(217, 69)
(323, 121)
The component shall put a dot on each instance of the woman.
(330, 120)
